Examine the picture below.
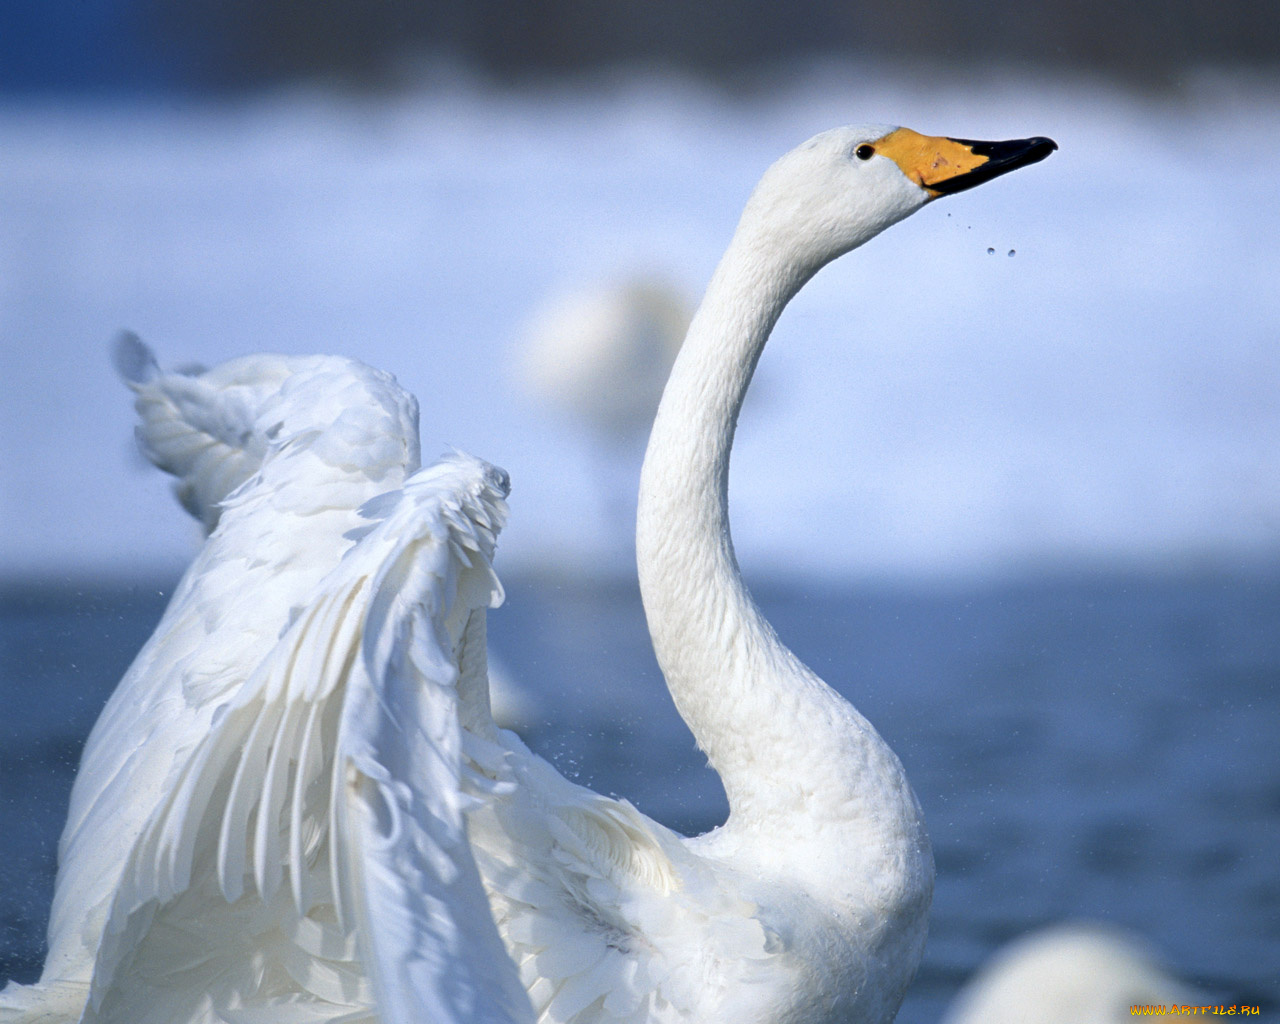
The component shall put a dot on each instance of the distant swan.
(1075, 973)
(296, 807)
(602, 354)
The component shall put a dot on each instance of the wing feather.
(268, 857)
(200, 426)
(215, 429)
(434, 951)
(338, 765)
(309, 764)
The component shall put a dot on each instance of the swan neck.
(818, 804)
(720, 657)
(693, 431)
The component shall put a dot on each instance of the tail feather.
(134, 361)
(198, 425)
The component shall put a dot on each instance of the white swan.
(1076, 973)
(602, 354)
(296, 806)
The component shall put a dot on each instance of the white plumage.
(1077, 973)
(296, 806)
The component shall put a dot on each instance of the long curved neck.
(786, 747)
(683, 543)
(714, 646)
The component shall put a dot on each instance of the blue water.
(1099, 746)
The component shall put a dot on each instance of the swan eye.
(865, 152)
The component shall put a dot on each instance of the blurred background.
(1008, 477)
(229, 45)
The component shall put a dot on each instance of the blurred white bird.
(296, 806)
(601, 355)
(1077, 973)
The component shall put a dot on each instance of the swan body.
(297, 807)
(1077, 973)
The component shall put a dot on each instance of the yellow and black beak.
(942, 166)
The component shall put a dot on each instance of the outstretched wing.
(212, 429)
(336, 434)
(328, 795)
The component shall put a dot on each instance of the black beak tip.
(1002, 157)
(1039, 148)
(1015, 152)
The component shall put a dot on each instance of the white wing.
(326, 800)
(213, 429)
(200, 425)
(609, 915)
(336, 433)
(433, 951)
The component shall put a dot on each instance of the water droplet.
(1013, 252)
(991, 252)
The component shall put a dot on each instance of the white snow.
(1111, 393)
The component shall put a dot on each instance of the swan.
(296, 806)
(1073, 973)
(601, 354)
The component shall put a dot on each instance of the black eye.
(865, 152)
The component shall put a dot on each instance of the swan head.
(846, 185)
